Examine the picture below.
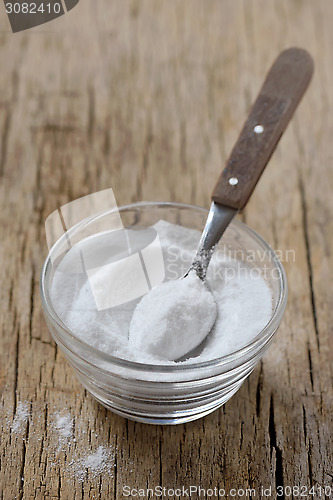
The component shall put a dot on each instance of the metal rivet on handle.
(233, 181)
(258, 129)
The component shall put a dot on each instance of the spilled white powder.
(86, 460)
(64, 427)
(243, 299)
(93, 464)
(173, 318)
(96, 462)
(21, 416)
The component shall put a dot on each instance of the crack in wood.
(304, 425)
(115, 469)
(16, 365)
(49, 343)
(107, 141)
(310, 365)
(259, 388)
(308, 259)
(32, 298)
(274, 447)
(59, 486)
(10, 295)
(4, 141)
(23, 458)
(310, 465)
(241, 435)
(160, 458)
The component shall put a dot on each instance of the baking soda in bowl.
(242, 296)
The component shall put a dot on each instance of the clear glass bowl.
(164, 394)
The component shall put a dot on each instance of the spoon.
(269, 116)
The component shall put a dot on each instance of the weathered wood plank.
(148, 98)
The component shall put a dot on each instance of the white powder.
(96, 461)
(244, 301)
(64, 427)
(92, 464)
(64, 424)
(21, 416)
(173, 318)
(86, 460)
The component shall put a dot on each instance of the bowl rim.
(240, 356)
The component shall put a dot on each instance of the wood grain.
(147, 98)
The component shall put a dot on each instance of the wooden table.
(148, 98)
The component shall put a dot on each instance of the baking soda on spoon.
(173, 318)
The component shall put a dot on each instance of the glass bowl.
(164, 394)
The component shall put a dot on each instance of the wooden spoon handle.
(269, 116)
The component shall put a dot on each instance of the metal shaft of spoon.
(218, 219)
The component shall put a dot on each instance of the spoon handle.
(269, 116)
